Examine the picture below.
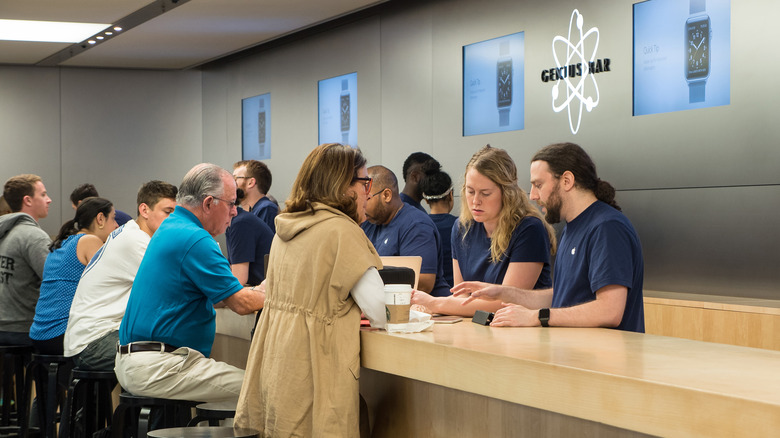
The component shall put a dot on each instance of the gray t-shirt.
(24, 247)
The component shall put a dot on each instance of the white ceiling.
(189, 33)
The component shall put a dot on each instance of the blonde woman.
(500, 237)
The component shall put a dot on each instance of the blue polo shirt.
(408, 199)
(266, 210)
(600, 248)
(248, 241)
(444, 223)
(182, 275)
(529, 243)
(411, 233)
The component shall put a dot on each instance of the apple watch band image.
(504, 83)
(698, 35)
(344, 105)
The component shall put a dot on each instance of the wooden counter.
(468, 380)
(748, 322)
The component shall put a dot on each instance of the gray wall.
(701, 187)
(113, 128)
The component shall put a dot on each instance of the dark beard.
(553, 207)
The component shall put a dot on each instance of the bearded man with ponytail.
(599, 268)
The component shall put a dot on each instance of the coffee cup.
(398, 302)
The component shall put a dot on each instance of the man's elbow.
(612, 319)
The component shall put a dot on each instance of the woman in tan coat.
(304, 362)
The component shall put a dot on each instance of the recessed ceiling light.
(48, 31)
(91, 41)
(109, 33)
(118, 29)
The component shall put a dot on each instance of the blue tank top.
(61, 274)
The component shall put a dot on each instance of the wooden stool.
(14, 416)
(90, 391)
(204, 432)
(143, 406)
(45, 370)
(213, 412)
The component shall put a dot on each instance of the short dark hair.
(422, 158)
(83, 192)
(17, 187)
(151, 192)
(259, 171)
(572, 157)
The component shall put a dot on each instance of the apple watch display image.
(256, 127)
(337, 109)
(697, 51)
(682, 55)
(493, 92)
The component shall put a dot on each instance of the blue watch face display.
(698, 48)
(337, 109)
(261, 127)
(256, 127)
(493, 85)
(504, 85)
(681, 55)
(345, 112)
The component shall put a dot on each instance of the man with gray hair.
(168, 329)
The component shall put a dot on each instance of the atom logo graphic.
(576, 87)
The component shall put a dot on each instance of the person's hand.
(515, 315)
(477, 289)
(260, 287)
(424, 300)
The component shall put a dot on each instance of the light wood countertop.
(652, 384)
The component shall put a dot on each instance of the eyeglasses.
(371, 196)
(231, 204)
(239, 177)
(367, 182)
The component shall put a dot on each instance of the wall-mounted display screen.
(256, 127)
(338, 110)
(493, 90)
(682, 55)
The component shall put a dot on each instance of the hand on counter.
(515, 315)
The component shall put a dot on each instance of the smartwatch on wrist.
(544, 317)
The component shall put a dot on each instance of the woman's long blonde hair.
(497, 165)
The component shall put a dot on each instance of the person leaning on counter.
(599, 268)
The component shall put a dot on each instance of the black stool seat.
(214, 412)
(45, 370)
(204, 432)
(13, 414)
(91, 391)
(171, 412)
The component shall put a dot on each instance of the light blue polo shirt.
(182, 275)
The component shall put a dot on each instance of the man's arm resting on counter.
(246, 300)
(605, 311)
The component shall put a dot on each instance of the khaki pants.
(184, 374)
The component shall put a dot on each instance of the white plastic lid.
(395, 288)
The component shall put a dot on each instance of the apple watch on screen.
(697, 50)
(504, 83)
(344, 111)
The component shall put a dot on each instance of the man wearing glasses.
(398, 229)
(168, 329)
(254, 178)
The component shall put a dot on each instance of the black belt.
(135, 347)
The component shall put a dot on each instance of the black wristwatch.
(544, 317)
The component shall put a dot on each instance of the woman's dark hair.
(86, 213)
(569, 156)
(436, 186)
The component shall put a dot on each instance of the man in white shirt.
(101, 297)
